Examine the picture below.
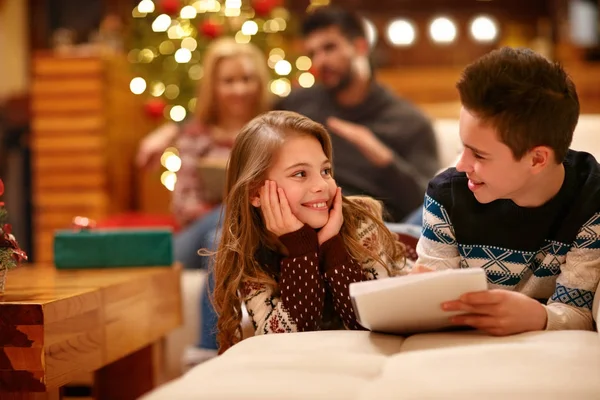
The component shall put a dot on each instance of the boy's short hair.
(529, 100)
(349, 23)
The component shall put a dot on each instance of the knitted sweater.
(550, 253)
(313, 283)
(395, 122)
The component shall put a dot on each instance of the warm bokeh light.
(146, 6)
(172, 91)
(306, 79)
(157, 89)
(484, 29)
(188, 12)
(137, 85)
(166, 47)
(283, 67)
(241, 38)
(161, 23)
(192, 104)
(189, 43)
(250, 28)
(183, 56)
(442, 30)
(303, 63)
(195, 72)
(168, 179)
(401, 33)
(281, 87)
(177, 113)
(173, 163)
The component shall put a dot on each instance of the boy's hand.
(419, 269)
(335, 221)
(276, 211)
(498, 312)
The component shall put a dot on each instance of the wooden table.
(54, 325)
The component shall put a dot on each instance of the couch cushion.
(362, 365)
(500, 370)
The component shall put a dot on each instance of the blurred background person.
(384, 146)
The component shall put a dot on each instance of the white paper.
(412, 303)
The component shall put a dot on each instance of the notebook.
(412, 303)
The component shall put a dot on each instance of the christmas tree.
(170, 37)
(10, 253)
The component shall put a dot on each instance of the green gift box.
(106, 248)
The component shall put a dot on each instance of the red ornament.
(264, 7)
(211, 29)
(170, 7)
(155, 108)
(1, 187)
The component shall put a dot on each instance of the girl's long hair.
(244, 232)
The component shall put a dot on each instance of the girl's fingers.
(274, 204)
(338, 198)
(265, 205)
(286, 212)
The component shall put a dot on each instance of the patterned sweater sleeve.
(570, 307)
(298, 306)
(437, 247)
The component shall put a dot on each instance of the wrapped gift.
(106, 248)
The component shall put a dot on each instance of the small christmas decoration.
(170, 7)
(211, 29)
(11, 254)
(264, 7)
(155, 108)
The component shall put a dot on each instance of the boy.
(519, 203)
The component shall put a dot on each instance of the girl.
(291, 243)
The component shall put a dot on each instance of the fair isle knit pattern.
(306, 275)
(564, 273)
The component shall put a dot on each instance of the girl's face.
(237, 86)
(303, 171)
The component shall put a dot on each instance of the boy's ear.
(541, 156)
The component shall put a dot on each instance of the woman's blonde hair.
(244, 232)
(218, 50)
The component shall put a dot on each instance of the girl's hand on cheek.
(335, 221)
(276, 211)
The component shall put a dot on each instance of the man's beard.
(344, 82)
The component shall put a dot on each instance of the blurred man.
(383, 146)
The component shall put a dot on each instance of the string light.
(249, 28)
(303, 63)
(168, 179)
(283, 67)
(183, 56)
(137, 85)
(306, 79)
(180, 46)
(188, 12)
(146, 6)
(177, 113)
(161, 23)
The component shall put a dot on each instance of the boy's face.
(489, 164)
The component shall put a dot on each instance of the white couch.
(358, 365)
